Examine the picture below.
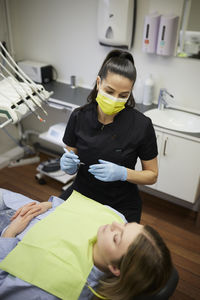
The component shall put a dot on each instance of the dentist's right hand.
(69, 162)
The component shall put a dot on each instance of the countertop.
(63, 92)
(74, 97)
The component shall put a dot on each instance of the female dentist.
(105, 138)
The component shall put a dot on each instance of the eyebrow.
(126, 92)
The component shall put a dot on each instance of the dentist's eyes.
(109, 92)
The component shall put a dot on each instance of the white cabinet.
(159, 144)
(179, 167)
(138, 166)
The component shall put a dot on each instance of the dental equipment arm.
(18, 98)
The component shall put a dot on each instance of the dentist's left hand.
(108, 171)
(69, 162)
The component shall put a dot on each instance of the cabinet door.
(138, 165)
(179, 169)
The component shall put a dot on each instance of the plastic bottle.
(149, 87)
(138, 90)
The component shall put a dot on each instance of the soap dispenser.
(148, 95)
(167, 36)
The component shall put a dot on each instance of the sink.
(175, 119)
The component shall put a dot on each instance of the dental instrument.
(66, 151)
(18, 97)
(25, 81)
(14, 105)
(34, 85)
(24, 99)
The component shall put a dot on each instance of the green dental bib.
(56, 253)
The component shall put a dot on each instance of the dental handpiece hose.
(24, 80)
(24, 98)
(25, 77)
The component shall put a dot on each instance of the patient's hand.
(19, 224)
(32, 207)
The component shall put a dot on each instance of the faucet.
(162, 102)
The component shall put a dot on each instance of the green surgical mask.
(110, 105)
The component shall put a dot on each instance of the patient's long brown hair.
(144, 269)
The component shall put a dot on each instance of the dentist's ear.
(115, 270)
(98, 82)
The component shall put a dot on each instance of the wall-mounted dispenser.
(116, 20)
(167, 35)
(150, 35)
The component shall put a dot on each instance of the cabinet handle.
(165, 147)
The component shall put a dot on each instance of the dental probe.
(65, 149)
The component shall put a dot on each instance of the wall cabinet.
(179, 167)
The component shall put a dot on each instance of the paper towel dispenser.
(116, 22)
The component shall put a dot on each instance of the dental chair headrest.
(166, 291)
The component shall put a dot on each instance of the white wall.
(3, 22)
(64, 33)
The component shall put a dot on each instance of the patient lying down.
(78, 249)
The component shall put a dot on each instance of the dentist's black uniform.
(131, 135)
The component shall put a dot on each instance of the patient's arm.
(32, 207)
(19, 224)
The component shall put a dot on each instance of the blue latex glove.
(69, 162)
(107, 171)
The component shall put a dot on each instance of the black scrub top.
(129, 136)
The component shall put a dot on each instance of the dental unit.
(19, 95)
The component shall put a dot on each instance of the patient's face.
(114, 239)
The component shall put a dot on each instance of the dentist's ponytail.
(117, 62)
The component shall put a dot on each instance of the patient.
(129, 259)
